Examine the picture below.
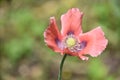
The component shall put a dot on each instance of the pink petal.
(52, 35)
(71, 22)
(67, 51)
(83, 57)
(96, 43)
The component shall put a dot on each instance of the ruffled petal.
(67, 51)
(71, 22)
(96, 43)
(52, 36)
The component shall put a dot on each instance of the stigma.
(70, 42)
(73, 45)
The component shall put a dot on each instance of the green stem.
(61, 66)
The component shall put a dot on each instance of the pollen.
(70, 42)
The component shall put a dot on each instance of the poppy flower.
(71, 40)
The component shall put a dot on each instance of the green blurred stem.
(61, 66)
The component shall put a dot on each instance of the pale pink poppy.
(71, 40)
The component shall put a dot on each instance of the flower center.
(70, 42)
(73, 44)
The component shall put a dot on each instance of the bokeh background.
(24, 55)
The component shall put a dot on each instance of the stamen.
(73, 45)
(70, 33)
(78, 47)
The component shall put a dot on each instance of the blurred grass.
(24, 55)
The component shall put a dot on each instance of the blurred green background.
(24, 55)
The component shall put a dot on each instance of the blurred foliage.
(24, 28)
(24, 56)
(16, 48)
(97, 70)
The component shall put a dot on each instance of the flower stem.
(61, 66)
